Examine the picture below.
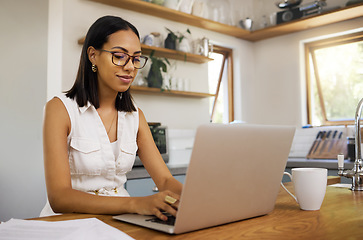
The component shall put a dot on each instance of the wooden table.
(340, 217)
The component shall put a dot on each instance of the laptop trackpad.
(148, 221)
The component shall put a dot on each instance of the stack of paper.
(90, 228)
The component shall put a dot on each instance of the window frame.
(309, 51)
(227, 56)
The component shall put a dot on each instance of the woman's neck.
(107, 100)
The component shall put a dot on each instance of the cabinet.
(144, 187)
(346, 13)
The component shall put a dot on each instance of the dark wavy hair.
(85, 87)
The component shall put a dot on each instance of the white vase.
(184, 45)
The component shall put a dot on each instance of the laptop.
(234, 174)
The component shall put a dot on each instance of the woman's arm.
(64, 199)
(152, 160)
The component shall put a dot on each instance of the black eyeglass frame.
(127, 60)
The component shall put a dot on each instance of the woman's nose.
(129, 65)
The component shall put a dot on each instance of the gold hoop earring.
(94, 68)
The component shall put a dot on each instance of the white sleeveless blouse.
(98, 166)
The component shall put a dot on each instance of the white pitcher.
(200, 9)
(186, 6)
(173, 4)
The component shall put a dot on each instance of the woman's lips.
(125, 78)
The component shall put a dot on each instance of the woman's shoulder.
(56, 112)
(56, 116)
(60, 102)
(54, 103)
(139, 111)
(55, 106)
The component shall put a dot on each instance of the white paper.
(89, 228)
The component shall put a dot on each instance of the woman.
(91, 134)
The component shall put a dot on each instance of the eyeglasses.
(121, 59)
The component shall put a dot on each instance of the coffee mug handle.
(282, 185)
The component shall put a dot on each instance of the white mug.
(309, 186)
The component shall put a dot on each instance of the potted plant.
(154, 77)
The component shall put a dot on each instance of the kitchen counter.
(331, 164)
(181, 169)
(140, 172)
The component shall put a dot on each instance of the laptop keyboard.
(170, 221)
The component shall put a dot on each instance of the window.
(220, 77)
(334, 70)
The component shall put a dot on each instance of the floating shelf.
(313, 21)
(177, 16)
(158, 91)
(342, 14)
(172, 54)
(169, 53)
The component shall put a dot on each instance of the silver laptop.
(234, 173)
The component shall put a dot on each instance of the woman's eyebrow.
(125, 50)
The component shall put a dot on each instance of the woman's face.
(113, 78)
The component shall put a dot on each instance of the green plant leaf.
(163, 66)
(152, 54)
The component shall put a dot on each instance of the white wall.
(23, 73)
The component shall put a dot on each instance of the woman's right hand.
(156, 204)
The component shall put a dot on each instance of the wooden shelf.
(169, 53)
(350, 12)
(172, 54)
(158, 91)
(177, 16)
(309, 22)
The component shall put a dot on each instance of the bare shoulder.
(140, 112)
(143, 125)
(54, 104)
(55, 111)
(142, 119)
